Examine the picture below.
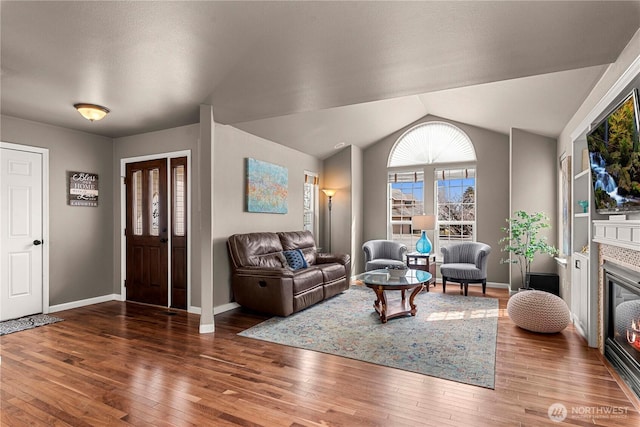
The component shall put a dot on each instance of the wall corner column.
(205, 206)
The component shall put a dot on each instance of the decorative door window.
(154, 176)
(179, 209)
(137, 203)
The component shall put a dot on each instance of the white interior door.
(21, 233)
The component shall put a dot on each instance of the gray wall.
(357, 210)
(492, 151)
(80, 250)
(337, 175)
(157, 143)
(232, 147)
(534, 188)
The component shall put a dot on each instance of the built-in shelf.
(584, 259)
(561, 261)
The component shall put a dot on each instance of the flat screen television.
(614, 155)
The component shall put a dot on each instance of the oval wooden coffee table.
(381, 281)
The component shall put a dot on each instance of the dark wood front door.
(146, 232)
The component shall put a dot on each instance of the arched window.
(446, 147)
(431, 143)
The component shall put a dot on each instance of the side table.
(424, 262)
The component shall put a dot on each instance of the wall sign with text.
(83, 189)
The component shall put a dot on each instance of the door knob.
(37, 242)
(163, 240)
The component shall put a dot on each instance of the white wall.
(613, 73)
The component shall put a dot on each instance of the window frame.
(311, 181)
(436, 235)
(411, 236)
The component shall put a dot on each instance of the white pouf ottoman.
(539, 311)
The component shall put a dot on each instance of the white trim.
(207, 329)
(225, 307)
(615, 91)
(623, 234)
(216, 310)
(494, 285)
(84, 302)
(45, 214)
(123, 216)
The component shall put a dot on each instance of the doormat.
(28, 322)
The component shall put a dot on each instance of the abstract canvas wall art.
(267, 187)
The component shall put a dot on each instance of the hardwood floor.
(129, 364)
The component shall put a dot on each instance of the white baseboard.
(225, 307)
(489, 284)
(207, 329)
(216, 310)
(84, 302)
(118, 297)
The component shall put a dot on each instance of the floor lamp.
(330, 193)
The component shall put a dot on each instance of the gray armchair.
(465, 263)
(383, 253)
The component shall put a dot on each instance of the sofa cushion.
(295, 259)
(331, 272)
(302, 240)
(255, 250)
(305, 279)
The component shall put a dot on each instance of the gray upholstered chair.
(465, 263)
(383, 253)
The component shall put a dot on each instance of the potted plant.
(523, 242)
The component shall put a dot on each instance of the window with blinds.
(406, 199)
(455, 191)
(310, 197)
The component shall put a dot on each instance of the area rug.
(451, 337)
(28, 322)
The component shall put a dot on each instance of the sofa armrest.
(264, 272)
(325, 258)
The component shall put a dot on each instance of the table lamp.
(423, 222)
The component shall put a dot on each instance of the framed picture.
(267, 187)
(83, 189)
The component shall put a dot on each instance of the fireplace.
(622, 322)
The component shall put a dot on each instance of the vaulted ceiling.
(308, 75)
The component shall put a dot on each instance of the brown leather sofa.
(263, 281)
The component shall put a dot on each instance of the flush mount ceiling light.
(91, 112)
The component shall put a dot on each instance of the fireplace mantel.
(621, 233)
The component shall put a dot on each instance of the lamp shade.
(423, 222)
(329, 192)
